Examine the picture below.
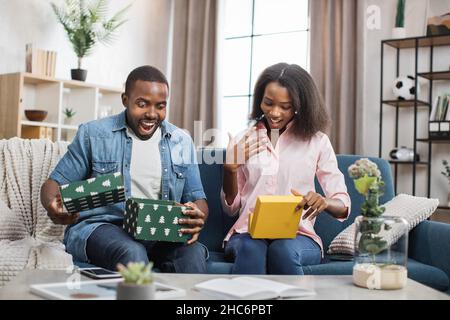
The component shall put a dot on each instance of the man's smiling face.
(146, 107)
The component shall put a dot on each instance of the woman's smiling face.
(277, 106)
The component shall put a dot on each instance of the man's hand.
(195, 220)
(313, 204)
(56, 212)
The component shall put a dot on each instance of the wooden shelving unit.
(22, 91)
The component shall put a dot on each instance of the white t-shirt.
(145, 169)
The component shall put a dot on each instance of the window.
(257, 34)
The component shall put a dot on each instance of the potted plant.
(86, 24)
(138, 282)
(380, 262)
(446, 174)
(69, 114)
(399, 31)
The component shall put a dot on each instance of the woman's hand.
(239, 153)
(195, 221)
(313, 204)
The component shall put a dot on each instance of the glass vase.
(381, 252)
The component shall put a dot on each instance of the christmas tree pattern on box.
(155, 220)
(93, 193)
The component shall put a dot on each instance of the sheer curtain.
(193, 76)
(333, 66)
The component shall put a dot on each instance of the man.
(157, 160)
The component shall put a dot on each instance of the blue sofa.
(429, 242)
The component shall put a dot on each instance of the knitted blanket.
(28, 238)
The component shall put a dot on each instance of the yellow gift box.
(275, 217)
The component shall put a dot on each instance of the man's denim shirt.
(103, 146)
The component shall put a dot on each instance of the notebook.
(251, 288)
(275, 217)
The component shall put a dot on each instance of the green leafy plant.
(69, 113)
(86, 24)
(446, 173)
(368, 182)
(136, 273)
(400, 16)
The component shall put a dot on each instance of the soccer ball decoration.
(404, 88)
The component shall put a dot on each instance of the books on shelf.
(439, 130)
(36, 132)
(440, 109)
(251, 288)
(40, 62)
(439, 125)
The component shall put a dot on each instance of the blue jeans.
(261, 256)
(109, 245)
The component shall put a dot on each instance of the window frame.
(252, 37)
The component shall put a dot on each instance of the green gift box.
(155, 220)
(93, 193)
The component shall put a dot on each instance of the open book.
(250, 288)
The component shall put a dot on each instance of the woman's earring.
(296, 112)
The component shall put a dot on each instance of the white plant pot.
(128, 291)
(68, 121)
(398, 33)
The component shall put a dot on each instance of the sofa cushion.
(83, 264)
(216, 267)
(428, 275)
(218, 222)
(330, 268)
(412, 209)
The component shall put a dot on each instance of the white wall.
(369, 93)
(141, 40)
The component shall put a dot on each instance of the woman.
(281, 155)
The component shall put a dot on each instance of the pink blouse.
(292, 164)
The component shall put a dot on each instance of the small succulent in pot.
(69, 112)
(138, 281)
(136, 272)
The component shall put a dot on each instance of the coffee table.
(326, 287)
